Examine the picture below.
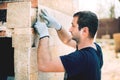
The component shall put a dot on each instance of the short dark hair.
(87, 19)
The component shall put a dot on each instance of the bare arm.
(45, 62)
(66, 38)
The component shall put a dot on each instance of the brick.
(34, 3)
(3, 5)
(19, 14)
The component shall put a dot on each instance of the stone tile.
(19, 14)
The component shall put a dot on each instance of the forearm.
(43, 53)
(66, 38)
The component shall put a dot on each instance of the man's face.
(2, 33)
(75, 32)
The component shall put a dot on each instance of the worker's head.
(2, 31)
(84, 23)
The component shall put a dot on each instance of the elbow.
(65, 41)
(42, 68)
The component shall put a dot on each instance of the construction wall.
(20, 18)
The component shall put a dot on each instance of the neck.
(86, 43)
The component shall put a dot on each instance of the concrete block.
(51, 76)
(66, 6)
(44, 76)
(21, 76)
(22, 40)
(33, 60)
(22, 63)
(19, 14)
(24, 36)
(34, 76)
(23, 30)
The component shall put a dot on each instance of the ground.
(110, 69)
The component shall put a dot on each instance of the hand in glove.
(51, 22)
(41, 29)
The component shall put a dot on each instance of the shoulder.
(78, 55)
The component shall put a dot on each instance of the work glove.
(51, 22)
(41, 29)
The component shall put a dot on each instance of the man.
(83, 64)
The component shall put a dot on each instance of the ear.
(85, 31)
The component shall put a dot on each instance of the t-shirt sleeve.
(73, 63)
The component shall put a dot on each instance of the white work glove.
(41, 29)
(51, 22)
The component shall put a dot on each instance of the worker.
(86, 61)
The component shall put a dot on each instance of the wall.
(67, 6)
(20, 19)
